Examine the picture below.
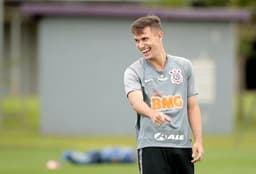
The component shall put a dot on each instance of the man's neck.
(159, 62)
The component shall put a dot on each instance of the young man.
(160, 88)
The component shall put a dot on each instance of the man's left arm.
(195, 120)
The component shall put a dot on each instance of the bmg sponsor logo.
(167, 102)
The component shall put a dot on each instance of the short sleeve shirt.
(165, 91)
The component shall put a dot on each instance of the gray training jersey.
(165, 91)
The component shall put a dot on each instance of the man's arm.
(136, 100)
(195, 120)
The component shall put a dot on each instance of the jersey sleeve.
(131, 80)
(192, 89)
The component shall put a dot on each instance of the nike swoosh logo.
(148, 80)
(163, 79)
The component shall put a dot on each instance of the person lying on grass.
(98, 156)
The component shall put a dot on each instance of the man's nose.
(140, 44)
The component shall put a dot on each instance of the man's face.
(148, 42)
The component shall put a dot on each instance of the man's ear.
(160, 35)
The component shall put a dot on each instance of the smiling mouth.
(145, 50)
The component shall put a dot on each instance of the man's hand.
(159, 118)
(136, 99)
(197, 153)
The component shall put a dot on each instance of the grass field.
(26, 152)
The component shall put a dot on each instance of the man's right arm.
(136, 100)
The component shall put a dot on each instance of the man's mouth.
(145, 50)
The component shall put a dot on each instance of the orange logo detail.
(166, 102)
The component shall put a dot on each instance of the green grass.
(26, 152)
(229, 154)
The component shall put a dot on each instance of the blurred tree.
(246, 36)
(247, 41)
(208, 3)
(168, 3)
(249, 4)
(221, 3)
(242, 3)
(203, 3)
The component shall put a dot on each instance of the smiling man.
(160, 88)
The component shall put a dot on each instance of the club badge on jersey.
(176, 76)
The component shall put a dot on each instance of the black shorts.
(161, 160)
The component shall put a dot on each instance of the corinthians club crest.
(176, 76)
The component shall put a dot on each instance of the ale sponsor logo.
(168, 137)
